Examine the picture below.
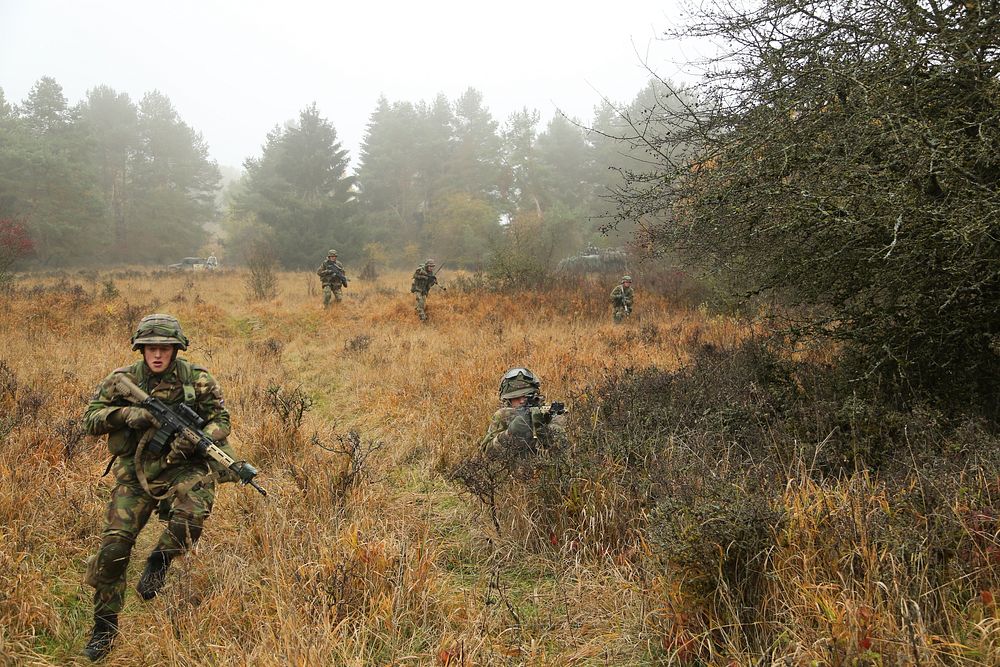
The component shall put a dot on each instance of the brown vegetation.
(365, 553)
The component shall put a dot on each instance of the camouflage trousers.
(331, 292)
(128, 511)
(421, 306)
(620, 313)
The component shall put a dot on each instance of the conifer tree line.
(442, 176)
(111, 179)
(105, 179)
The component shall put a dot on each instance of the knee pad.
(109, 564)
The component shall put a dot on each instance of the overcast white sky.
(234, 69)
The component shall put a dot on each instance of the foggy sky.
(234, 69)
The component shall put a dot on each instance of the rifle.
(336, 273)
(543, 413)
(435, 274)
(186, 424)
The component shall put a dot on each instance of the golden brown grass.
(401, 569)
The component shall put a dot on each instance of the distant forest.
(108, 179)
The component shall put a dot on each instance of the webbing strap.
(184, 375)
(179, 490)
(110, 463)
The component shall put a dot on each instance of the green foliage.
(418, 159)
(475, 159)
(299, 189)
(402, 166)
(461, 228)
(175, 183)
(111, 120)
(566, 165)
(523, 255)
(526, 251)
(105, 179)
(521, 187)
(847, 164)
(45, 178)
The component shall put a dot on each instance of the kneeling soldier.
(523, 424)
(180, 482)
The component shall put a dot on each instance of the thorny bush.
(291, 405)
(842, 159)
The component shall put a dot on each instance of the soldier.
(523, 424)
(180, 482)
(622, 298)
(423, 280)
(332, 275)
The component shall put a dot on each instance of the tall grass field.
(679, 524)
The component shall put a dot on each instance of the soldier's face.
(333, 257)
(518, 402)
(158, 357)
(627, 283)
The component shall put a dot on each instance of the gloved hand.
(182, 449)
(138, 419)
(520, 428)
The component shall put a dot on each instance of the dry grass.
(395, 567)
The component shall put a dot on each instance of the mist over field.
(780, 447)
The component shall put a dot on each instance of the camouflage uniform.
(332, 275)
(189, 491)
(622, 298)
(423, 280)
(130, 506)
(525, 429)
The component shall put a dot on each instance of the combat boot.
(102, 638)
(154, 575)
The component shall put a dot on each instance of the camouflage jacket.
(622, 296)
(204, 396)
(331, 273)
(545, 430)
(423, 280)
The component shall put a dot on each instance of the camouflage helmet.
(159, 329)
(331, 252)
(626, 279)
(429, 262)
(518, 382)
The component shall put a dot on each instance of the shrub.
(842, 160)
(291, 405)
(743, 457)
(261, 282)
(15, 244)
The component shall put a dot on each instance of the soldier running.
(179, 482)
